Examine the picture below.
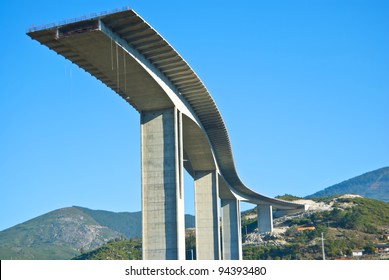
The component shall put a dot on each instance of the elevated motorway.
(125, 53)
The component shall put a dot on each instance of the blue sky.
(303, 87)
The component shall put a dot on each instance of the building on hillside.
(358, 253)
(306, 228)
(382, 248)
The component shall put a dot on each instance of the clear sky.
(303, 88)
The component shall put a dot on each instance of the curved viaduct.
(181, 127)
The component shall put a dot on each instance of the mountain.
(59, 234)
(64, 233)
(374, 184)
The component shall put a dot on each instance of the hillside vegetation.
(115, 250)
(125, 223)
(64, 233)
(59, 234)
(353, 223)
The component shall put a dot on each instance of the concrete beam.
(231, 229)
(265, 218)
(163, 224)
(207, 215)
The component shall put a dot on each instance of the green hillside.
(115, 250)
(129, 225)
(364, 214)
(120, 249)
(374, 184)
(64, 233)
(353, 223)
(59, 234)
(125, 223)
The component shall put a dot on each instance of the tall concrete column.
(163, 221)
(207, 215)
(231, 229)
(265, 218)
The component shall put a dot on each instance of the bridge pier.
(207, 215)
(231, 229)
(163, 221)
(265, 218)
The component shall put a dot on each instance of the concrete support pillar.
(265, 218)
(231, 229)
(163, 222)
(207, 215)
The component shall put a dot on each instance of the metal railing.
(72, 20)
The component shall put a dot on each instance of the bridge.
(181, 127)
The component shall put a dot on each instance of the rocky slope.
(60, 234)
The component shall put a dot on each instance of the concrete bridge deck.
(130, 57)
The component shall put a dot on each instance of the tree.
(369, 249)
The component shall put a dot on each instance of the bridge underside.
(181, 127)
